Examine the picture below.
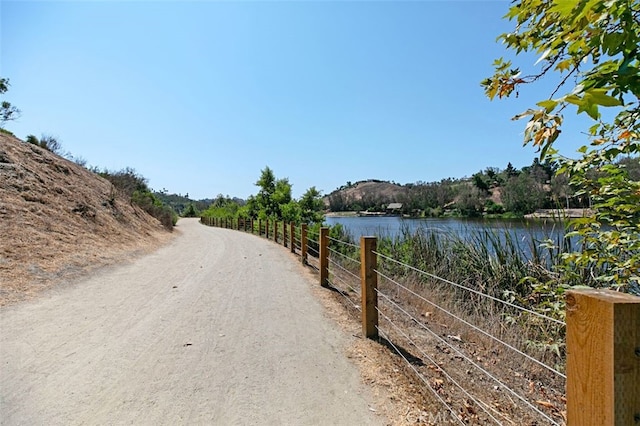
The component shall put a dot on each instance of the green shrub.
(134, 186)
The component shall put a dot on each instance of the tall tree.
(591, 49)
(311, 206)
(522, 194)
(264, 198)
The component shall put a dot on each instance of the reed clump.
(458, 273)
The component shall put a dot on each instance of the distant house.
(394, 208)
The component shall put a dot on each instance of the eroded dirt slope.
(59, 220)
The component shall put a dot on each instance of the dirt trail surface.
(216, 327)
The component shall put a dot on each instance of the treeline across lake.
(509, 192)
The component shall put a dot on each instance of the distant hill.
(59, 219)
(367, 192)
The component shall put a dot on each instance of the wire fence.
(483, 358)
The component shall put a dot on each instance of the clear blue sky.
(200, 96)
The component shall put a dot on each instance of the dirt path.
(218, 327)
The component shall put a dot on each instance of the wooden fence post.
(284, 233)
(603, 358)
(324, 256)
(368, 286)
(292, 236)
(275, 230)
(303, 243)
(266, 229)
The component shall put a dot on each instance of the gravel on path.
(216, 328)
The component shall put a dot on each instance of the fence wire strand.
(496, 339)
(343, 294)
(344, 269)
(467, 358)
(351, 259)
(422, 378)
(483, 405)
(345, 243)
(479, 293)
(343, 280)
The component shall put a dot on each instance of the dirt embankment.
(59, 220)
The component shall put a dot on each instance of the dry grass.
(427, 355)
(59, 220)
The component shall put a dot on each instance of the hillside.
(368, 191)
(59, 220)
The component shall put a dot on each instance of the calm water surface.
(392, 226)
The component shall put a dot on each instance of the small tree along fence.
(602, 371)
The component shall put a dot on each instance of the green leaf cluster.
(592, 48)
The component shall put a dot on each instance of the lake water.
(391, 226)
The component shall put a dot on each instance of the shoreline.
(559, 214)
(538, 214)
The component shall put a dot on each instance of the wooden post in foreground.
(292, 236)
(603, 358)
(368, 286)
(324, 257)
(303, 244)
(266, 229)
(275, 230)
